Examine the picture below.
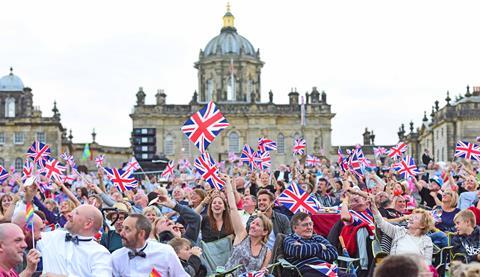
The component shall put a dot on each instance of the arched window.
(168, 145)
(18, 164)
(233, 142)
(185, 145)
(10, 107)
(2, 162)
(209, 94)
(281, 144)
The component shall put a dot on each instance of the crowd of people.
(425, 225)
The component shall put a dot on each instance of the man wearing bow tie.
(140, 256)
(74, 252)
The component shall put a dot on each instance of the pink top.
(10, 273)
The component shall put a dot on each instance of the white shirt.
(409, 245)
(88, 258)
(160, 256)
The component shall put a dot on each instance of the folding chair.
(283, 268)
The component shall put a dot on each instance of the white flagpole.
(33, 233)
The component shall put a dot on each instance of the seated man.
(467, 240)
(306, 250)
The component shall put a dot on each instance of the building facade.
(21, 123)
(229, 73)
(456, 120)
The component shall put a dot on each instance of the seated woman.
(412, 239)
(216, 225)
(249, 249)
(446, 211)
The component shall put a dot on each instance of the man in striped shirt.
(303, 248)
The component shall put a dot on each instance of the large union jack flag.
(168, 171)
(123, 180)
(265, 144)
(327, 269)
(312, 161)
(27, 170)
(263, 160)
(396, 151)
(356, 162)
(406, 167)
(248, 156)
(299, 146)
(297, 200)
(206, 166)
(203, 126)
(469, 151)
(53, 169)
(38, 152)
(3, 174)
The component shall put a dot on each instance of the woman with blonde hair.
(249, 249)
(151, 212)
(410, 240)
(446, 211)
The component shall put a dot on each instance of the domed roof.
(11, 82)
(229, 42)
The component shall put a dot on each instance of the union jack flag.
(265, 144)
(248, 156)
(379, 151)
(232, 157)
(312, 160)
(53, 169)
(406, 167)
(68, 178)
(469, 151)
(253, 274)
(342, 161)
(355, 162)
(263, 160)
(209, 171)
(38, 152)
(99, 160)
(132, 165)
(203, 126)
(295, 199)
(327, 269)
(123, 180)
(168, 171)
(185, 164)
(299, 146)
(396, 151)
(3, 174)
(68, 159)
(27, 170)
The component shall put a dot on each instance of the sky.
(381, 63)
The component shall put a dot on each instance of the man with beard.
(38, 228)
(281, 224)
(74, 252)
(12, 246)
(140, 256)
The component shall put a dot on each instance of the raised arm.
(68, 192)
(238, 228)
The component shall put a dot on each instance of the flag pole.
(33, 233)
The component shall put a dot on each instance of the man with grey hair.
(12, 245)
(38, 228)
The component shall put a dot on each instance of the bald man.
(12, 245)
(74, 252)
(38, 228)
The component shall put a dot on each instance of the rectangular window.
(18, 138)
(41, 137)
(2, 138)
(144, 140)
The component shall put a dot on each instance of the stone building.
(21, 123)
(456, 120)
(229, 73)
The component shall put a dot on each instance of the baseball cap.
(437, 179)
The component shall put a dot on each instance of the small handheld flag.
(299, 146)
(155, 273)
